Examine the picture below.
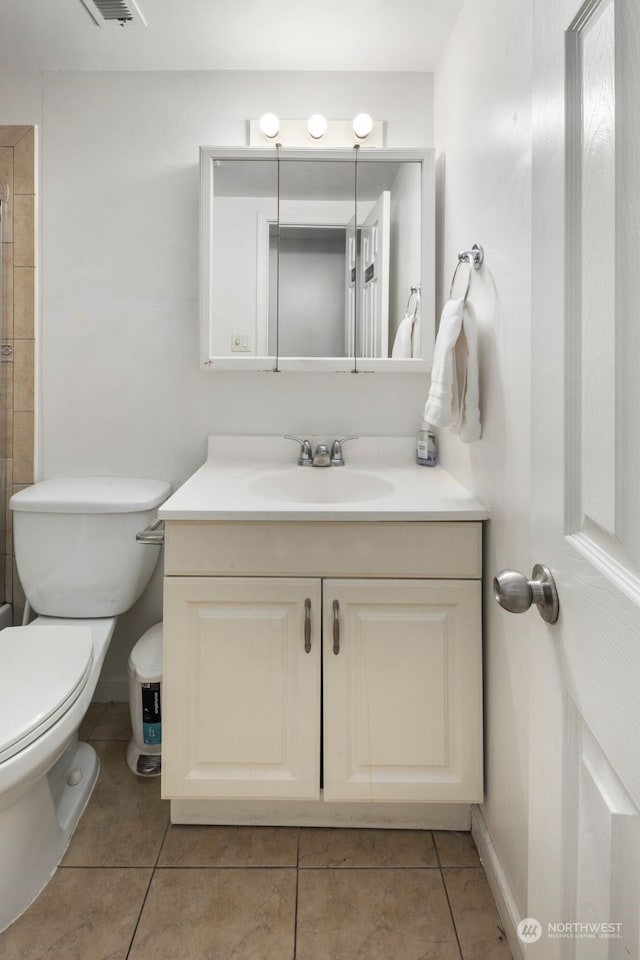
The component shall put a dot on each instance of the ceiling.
(380, 35)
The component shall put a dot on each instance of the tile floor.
(132, 887)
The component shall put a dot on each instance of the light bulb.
(362, 126)
(269, 125)
(317, 126)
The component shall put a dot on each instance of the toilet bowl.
(80, 567)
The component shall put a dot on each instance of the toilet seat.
(43, 670)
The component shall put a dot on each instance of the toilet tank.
(75, 543)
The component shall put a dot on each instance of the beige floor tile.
(205, 914)
(475, 914)
(456, 848)
(125, 820)
(328, 847)
(114, 723)
(374, 914)
(90, 720)
(80, 915)
(191, 846)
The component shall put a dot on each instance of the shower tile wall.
(17, 391)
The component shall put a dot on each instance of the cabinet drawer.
(447, 550)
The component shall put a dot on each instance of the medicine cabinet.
(311, 260)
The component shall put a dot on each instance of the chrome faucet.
(321, 456)
(337, 459)
(305, 459)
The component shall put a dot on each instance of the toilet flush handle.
(154, 533)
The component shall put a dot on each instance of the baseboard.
(112, 690)
(318, 813)
(505, 901)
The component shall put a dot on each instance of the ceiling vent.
(120, 11)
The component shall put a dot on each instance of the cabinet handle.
(307, 625)
(336, 627)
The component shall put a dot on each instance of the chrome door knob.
(515, 593)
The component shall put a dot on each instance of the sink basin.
(320, 485)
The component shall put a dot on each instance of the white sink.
(256, 478)
(320, 485)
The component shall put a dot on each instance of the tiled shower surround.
(17, 401)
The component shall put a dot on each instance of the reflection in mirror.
(316, 283)
(244, 203)
(308, 259)
(389, 260)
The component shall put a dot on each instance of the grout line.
(295, 909)
(243, 866)
(373, 866)
(446, 893)
(146, 895)
(105, 866)
(228, 866)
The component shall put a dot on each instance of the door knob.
(515, 593)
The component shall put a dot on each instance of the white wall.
(483, 141)
(119, 387)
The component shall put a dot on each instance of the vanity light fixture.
(317, 126)
(362, 125)
(269, 125)
(316, 132)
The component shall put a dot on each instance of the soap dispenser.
(426, 445)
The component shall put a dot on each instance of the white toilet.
(80, 566)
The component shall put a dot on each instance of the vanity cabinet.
(400, 697)
(241, 693)
(322, 662)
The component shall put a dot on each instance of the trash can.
(145, 702)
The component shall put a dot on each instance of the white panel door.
(350, 287)
(241, 691)
(373, 310)
(402, 690)
(584, 868)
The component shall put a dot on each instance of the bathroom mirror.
(308, 259)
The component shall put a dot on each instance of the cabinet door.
(241, 695)
(403, 694)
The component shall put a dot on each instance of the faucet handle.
(337, 460)
(306, 457)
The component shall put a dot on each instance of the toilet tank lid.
(91, 495)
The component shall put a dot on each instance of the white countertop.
(247, 478)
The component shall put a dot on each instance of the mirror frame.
(209, 361)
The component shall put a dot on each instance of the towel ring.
(416, 291)
(474, 259)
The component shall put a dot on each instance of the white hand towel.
(442, 403)
(402, 344)
(470, 427)
(453, 399)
